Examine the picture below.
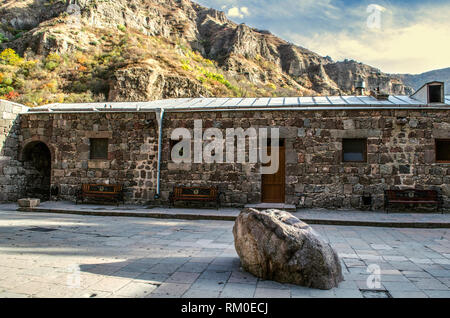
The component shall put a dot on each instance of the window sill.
(354, 162)
(99, 164)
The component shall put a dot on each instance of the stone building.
(335, 152)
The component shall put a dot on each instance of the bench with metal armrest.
(412, 197)
(199, 194)
(104, 192)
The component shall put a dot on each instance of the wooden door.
(273, 186)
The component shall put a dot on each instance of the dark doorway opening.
(37, 163)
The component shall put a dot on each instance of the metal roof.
(248, 104)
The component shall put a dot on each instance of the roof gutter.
(313, 108)
(247, 109)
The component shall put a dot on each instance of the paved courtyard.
(55, 255)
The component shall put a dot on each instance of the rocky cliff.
(168, 48)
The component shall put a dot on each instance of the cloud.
(237, 12)
(397, 47)
(245, 11)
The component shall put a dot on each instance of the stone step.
(268, 206)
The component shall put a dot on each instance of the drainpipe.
(160, 118)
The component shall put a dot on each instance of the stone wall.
(12, 176)
(401, 154)
(132, 151)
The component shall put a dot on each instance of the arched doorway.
(37, 163)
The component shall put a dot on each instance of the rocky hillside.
(138, 50)
(417, 80)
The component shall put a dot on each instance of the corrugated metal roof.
(206, 104)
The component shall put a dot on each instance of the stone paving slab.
(73, 256)
(311, 216)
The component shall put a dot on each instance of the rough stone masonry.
(400, 154)
(12, 173)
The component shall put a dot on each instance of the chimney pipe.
(360, 87)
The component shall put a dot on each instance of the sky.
(397, 36)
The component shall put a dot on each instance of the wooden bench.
(104, 192)
(201, 194)
(413, 197)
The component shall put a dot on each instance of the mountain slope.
(416, 81)
(140, 50)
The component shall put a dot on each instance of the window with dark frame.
(443, 150)
(435, 94)
(354, 150)
(98, 148)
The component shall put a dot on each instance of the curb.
(411, 225)
(138, 215)
(190, 217)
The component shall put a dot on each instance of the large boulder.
(275, 245)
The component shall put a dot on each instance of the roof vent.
(360, 87)
(430, 93)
